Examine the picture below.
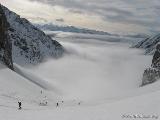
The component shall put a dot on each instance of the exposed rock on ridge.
(23, 43)
(5, 44)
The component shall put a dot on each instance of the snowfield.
(95, 80)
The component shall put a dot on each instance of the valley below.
(93, 80)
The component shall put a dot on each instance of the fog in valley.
(93, 68)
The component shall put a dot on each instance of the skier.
(20, 104)
(46, 102)
(57, 104)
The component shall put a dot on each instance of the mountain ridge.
(152, 47)
(74, 29)
(149, 44)
(29, 45)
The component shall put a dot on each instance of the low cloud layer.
(94, 69)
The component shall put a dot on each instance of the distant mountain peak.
(53, 27)
(74, 29)
(151, 46)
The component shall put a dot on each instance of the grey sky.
(137, 16)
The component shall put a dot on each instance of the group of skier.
(42, 103)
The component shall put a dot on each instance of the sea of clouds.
(93, 68)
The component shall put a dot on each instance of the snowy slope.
(19, 88)
(14, 88)
(29, 44)
(14, 84)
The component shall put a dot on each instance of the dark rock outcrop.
(152, 74)
(5, 44)
(151, 46)
(156, 58)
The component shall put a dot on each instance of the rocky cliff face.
(5, 44)
(23, 43)
(156, 58)
(152, 74)
(151, 46)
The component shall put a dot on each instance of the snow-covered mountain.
(152, 74)
(72, 29)
(25, 42)
(149, 44)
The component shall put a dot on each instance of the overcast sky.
(117, 16)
